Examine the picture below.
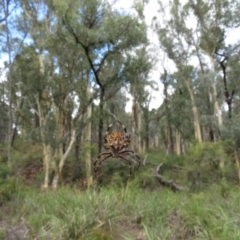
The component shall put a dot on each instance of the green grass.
(129, 212)
(119, 210)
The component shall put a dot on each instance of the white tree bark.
(139, 125)
(197, 127)
(178, 142)
(134, 125)
(217, 111)
(63, 157)
(88, 162)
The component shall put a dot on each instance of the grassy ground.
(128, 213)
(140, 209)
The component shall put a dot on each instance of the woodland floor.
(146, 207)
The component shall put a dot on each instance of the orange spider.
(117, 143)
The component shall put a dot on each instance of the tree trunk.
(10, 123)
(47, 156)
(134, 124)
(156, 140)
(100, 124)
(217, 111)
(146, 120)
(58, 153)
(197, 127)
(59, 168)
(139, 131)
(78, 150)
(10, 113)
(208, 97)
(88, 161)
(170, 139)
(178, 142)
(47, 150)
(62, 130)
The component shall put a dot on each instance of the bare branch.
(168, 183)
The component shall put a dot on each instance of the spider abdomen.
(116, 140)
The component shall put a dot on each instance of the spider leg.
(99, 165)
(109, 126)
(131, 151)
(124, 128)
(98, 157)
(106, 134)
(116, 121)
(129, 162)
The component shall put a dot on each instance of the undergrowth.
(130, 213)
(138, 208)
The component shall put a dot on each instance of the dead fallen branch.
(168, 183)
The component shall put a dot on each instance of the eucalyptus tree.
(166, 104)
(194, 33)
(8, 48)
(6, 9)
(104, 34)
(70, 52)
(174, 120)
(3, 121)
(53, 76)
(173, 42)
(176, 51)
(3, 107)
(136, 74)
(215, 18)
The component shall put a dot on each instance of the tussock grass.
(130, 213)
(128, 210)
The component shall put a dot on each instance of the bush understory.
(119, 209)
(126, 212)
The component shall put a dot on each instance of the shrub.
(8, 185)
(208, 163)
(8, 190)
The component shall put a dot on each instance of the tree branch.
(86, 50)
(168, 183)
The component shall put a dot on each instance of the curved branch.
(168, 183)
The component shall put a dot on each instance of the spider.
(117, 143)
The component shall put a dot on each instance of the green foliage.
(89, 147)
(208, 163)
(136, 208)
(173, 160)
(99, 234)
(130, 212)
(155, 157)
(207, 153)
(144, 179)
(173, 166)
(2, 235)
(8, 186)
(76, 213)
(4, 171)
(9, 189)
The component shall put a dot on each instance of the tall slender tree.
(107, 33)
